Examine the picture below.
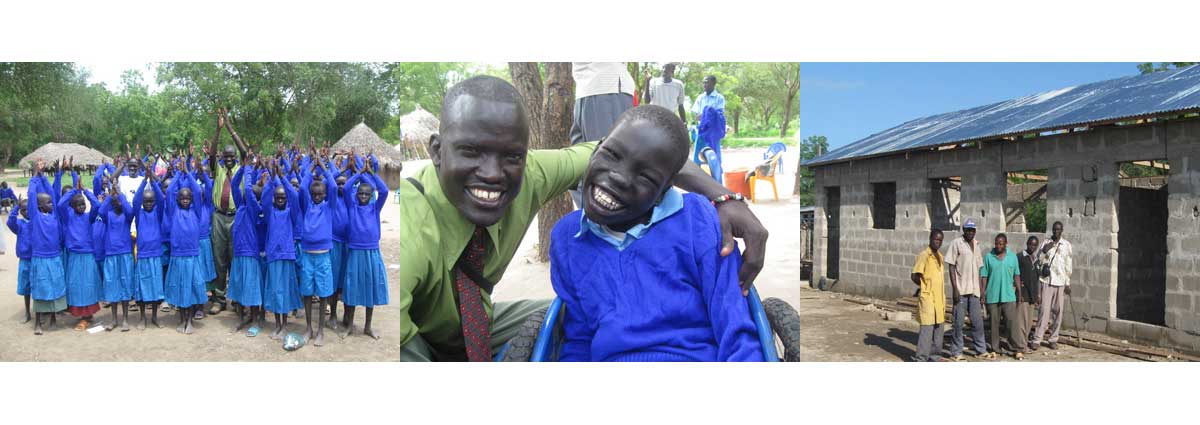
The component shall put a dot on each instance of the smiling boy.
(639, 269)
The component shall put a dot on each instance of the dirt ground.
(213, 339)
(833, 329)
(526, 278)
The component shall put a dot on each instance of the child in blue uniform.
(19, 225)
(117, 216)
(83, 274)
(148, 269)
(316, 244)
(280, 210)
(246, 271)
(365, 282)
(639, 268)
(341, 227)
(47, 282)
(185, 283)
(204, 210)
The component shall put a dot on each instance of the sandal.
(1019, 356)
(958, 358)
(82, 326)
(166, 308)
(252, 332)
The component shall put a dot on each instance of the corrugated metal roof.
(1104, 101)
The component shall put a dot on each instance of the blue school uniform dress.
(659, 292)
(148, 269)
(365, 282)
(316, 241)
(47, 280)
(83, 274)
(204, 210)
(20, 227)
(246, 270)
(118, 265)
(341, 226)
(185, 283)
(282, 292)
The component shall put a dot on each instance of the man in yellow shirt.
(931, 302)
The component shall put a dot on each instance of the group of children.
(306, 225)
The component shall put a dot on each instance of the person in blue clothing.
(316, 242)
(117, 216)
(639, 269)
(19, 225)
(280, 209)
(47, 282)
(7, 197)
(246, 270)
(365, 283)
(341, 228)
(82, 271)
(185, 282)
(204, 211)
(148, 290)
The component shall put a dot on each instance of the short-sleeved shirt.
(433, 235)
(999, 274)
(967, 262)
(714, 99)
(667, 95)
(931, 300)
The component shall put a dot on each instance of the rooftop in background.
(1121, 99)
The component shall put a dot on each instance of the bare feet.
(278, 334)
(37, 330)
(108, 327)
(125, 326)
(187, 330)
(320, 339)
(370, 333)
(155, 323)
(142, 325)
(182, 326)
(345, 331)
(28, 319)
(311, 334)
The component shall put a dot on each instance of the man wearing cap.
(964, 259)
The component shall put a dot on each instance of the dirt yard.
(833, 329)
(213, 339)
(526, 278)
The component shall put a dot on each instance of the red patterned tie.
(475, 323)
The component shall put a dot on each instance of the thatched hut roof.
(417, 126)
(363, 140)
(50, 152)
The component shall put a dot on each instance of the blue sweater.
(45, 233)
(245, 221)
(117, 240)
(668, 296)
(20, 227)
(363, 220)
(182, 226)
(281, 244)
(78, 227)
(150, 237)
(204, 206)
(317, 233)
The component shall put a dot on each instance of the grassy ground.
(755, 142)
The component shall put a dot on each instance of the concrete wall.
(1083, 190)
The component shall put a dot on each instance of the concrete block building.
(1117, 162)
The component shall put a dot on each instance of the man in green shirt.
(1000, 276)
(466, 215)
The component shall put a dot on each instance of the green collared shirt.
(219, 182)
(433, 234)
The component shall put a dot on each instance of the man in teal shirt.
(464, 217)
(1000, 277)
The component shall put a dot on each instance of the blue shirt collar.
(671, 203)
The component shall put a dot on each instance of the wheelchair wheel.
(785, 323)
(520, 347)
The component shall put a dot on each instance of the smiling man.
(464, 217)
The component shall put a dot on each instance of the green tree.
(810, 148)
(1148, 67)
(29, 95)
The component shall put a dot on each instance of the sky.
(847, 102)
(109, 72)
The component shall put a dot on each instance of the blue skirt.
(185, 284)
(365, 283)
(47, 281)
(118, 278)
(245, 281)
(23, 277)
(207, 265)
(337, 259)
(282, 294)
(316, 275)
(148, 273)
(83, 280)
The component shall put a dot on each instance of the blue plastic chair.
(775, 148)
(550, 339)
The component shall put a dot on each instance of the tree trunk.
(550, 109)
(796, 191)
(787, 115)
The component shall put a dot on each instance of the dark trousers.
(222, 247)
(1016, 337)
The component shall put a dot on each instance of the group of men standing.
(1005, 282)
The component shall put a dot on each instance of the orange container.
(735, 180)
